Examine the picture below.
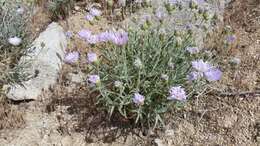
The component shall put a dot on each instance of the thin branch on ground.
(243, 93)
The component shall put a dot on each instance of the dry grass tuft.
(10, 118)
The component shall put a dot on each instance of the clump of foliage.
(14, 39)
(59, 9)
(147, 67)
(143, 74)
(148, 75)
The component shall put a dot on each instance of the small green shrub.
(12, 24)
(59, 9)
(136, 80)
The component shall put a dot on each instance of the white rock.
(77, 8)
(15, 41)
(159, 142)
(45, 59)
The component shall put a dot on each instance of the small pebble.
(158, 142)
(77, 8)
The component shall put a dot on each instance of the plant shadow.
(89, 118)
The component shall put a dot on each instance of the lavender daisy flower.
(193, 50)
(95, 12)
(206, 70)
(92, 57)
(120, 38)
(15, 41)
(85, 33)
(94, 79)
(177, 93)
(89, 17)
(138, 99)
(213, 74)
(194, 76)
(201, 66)
(71, 57)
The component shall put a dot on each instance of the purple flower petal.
(194, 76)
(92, 57)
(177, 93)
(119, 38)
(138, 99)
(89, 17)
(71, 57)
(104, 36)
(213, 74)
(200, 65)
(85, 33)
(94, 79)
(95, 12)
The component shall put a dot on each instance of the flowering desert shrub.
(147, 74)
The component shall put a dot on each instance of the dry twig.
(244, 93)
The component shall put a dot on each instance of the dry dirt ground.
(231, 118)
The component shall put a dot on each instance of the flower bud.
(15, 41)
